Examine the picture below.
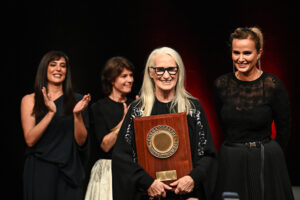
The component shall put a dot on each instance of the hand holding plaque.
(163, 146)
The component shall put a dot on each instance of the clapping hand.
(82, 104)
(48, 101)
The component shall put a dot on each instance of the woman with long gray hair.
(163, 92)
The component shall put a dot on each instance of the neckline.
(109, 96)
(156, 99)
(116, 101)
(248, 82)
(59, 97)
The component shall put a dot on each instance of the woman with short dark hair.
(107, 116)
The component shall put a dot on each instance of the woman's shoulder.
(27, 103)
(136, 104)
(268, 75)
(271, 80)
(223, 79)
(195, 103)
(224, 76)
(194, 100)
(104, 101)
(136, 108)
(28, 98)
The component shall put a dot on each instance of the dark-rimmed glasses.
(159, 71)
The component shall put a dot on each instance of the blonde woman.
(247, 101)
(163, 92)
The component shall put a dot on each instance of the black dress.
(250, 162)
(106, 114)
(54, 166)
(131, 182)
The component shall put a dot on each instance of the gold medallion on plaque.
(162, 141)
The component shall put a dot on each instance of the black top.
(130, 179)
(105, 115)
(247, 109)
(57, 144)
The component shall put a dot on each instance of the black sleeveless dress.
(54, 166)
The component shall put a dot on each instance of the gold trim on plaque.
(169, 175)
(162, 141)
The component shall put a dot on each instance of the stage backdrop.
(90, 34)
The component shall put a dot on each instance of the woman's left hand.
(183, 185)
(82, 104)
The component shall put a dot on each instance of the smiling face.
(165, 82)
(123, 83)
(244, 55)
(57, 70)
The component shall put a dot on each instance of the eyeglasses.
(159, 71)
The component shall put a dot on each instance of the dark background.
(92, 32)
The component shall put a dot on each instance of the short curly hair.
(112, 69)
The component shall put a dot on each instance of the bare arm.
(80, 132)
(32, 131)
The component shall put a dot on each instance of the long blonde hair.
(180, 102)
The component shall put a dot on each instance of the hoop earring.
(259, 64)
(233, 68)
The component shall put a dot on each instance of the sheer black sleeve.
(216, 96)
(219, 91)
(281, 112)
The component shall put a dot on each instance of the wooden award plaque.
(163, 146)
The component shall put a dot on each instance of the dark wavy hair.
(41, 81)
(112, 69)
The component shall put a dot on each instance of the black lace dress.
(250, 162)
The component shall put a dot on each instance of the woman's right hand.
(48, 102)
(158, 189)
